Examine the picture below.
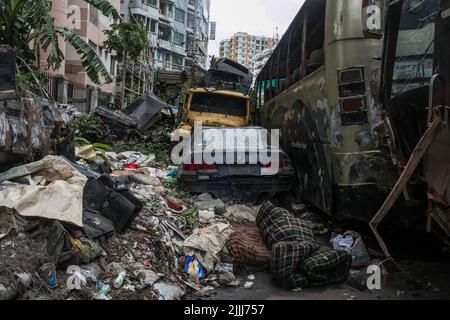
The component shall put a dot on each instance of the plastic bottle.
(119, 280)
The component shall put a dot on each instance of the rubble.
(209, 241)
(241, 213)
(206, 201)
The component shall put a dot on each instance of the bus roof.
(294, 33)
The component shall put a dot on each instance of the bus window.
(315, 36)
(414, 59)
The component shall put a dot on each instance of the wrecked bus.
(319, 88)
(416, 97)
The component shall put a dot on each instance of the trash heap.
(110, 226)
(113, 222)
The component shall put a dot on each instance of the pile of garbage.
(103, 223)
(110, 226)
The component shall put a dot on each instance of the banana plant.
(24, 23)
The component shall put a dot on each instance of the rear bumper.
(246, 189)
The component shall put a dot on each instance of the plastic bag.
(192, 267)
(352, 242)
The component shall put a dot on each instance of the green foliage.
(88, 127)
(164, 98)
(25, 21)
(127, 40)
(89, 58)
(102, 147)
(106, 8)
(159, 145)
(79, 142)
(26, 81)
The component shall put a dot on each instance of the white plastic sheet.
(61, 198)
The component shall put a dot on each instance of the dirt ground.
(410, 285)
(425, 275)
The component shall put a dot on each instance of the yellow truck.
(216, 108)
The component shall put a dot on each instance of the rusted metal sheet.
(23, 133)
(22, 128)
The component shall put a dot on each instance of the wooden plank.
(416, 157)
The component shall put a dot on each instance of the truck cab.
(217, 108)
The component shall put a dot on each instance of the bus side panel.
(363, 172)
(301, 114)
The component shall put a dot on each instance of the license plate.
(240, 170)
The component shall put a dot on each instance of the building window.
(165, 32)
(166, 9)
(93, 15)
(178, 38)
(180, 15)
(112, 70)
(153, 26)
(153, 3)
(177, 62)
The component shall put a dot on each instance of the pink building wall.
(75, 14)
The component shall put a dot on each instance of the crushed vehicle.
(215, 108)
(170, 82)
(227, 74)
(137, 118)
(244, 176)
(222, 100)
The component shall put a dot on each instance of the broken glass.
(414, 58)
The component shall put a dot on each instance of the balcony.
(166, 18)
(191, 6)
(143, 9)
(166, 45)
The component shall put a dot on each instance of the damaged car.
(138, 117)
(240, 171)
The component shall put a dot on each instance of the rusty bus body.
(319, 88)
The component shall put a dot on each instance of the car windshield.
(415, 48)
(219, 104)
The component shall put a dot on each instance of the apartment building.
(198, 33)
(259, 60)
(72, 83)
(243, 47)
(178, 30)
